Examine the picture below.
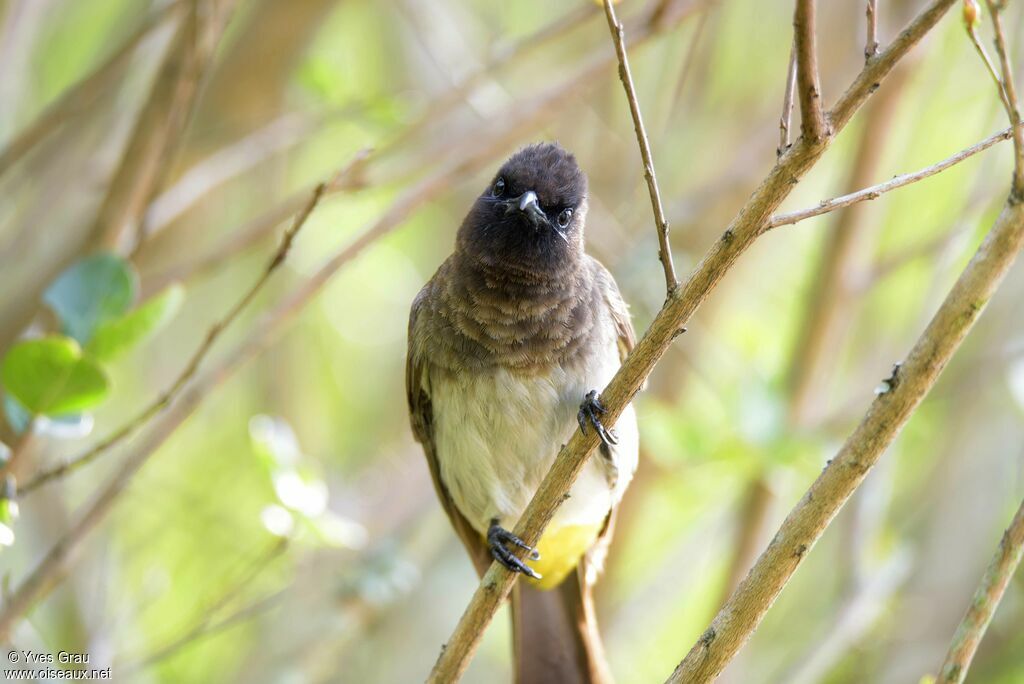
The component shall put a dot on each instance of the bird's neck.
(517, 317)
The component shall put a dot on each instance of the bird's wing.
(617, 307)
(619, 311)
(422, 418)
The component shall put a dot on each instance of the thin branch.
(871, 43)
(80, 95)
(787, 103)
(905, 389)
(661, 223)
(812, 116)
(989, 66)
(876, 191)
(984, 603)
(748, 224)
(190, 370)
(1009, 91)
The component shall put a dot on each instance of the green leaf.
(117, 336)
(92, 291)
(50, 376)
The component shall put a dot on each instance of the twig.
(984, 603)
(661, 223)
(215, 331)
(679, 307)
(79, 95)
(871, 43)
(906, 388)
(812, 115)
(989, 66)
(787, 103)
(876, 191)
(1009, 91)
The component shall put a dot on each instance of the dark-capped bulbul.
(509, 342)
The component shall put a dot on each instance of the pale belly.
(498, 433)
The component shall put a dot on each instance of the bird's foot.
(498, 538)
(590, 412)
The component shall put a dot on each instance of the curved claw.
(590, 411)
(498, 537)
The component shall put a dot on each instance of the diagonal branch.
(661, 223)
(666, 326)
(812, 116)
(984, 603)
(876, 191)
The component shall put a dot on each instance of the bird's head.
(533, 211)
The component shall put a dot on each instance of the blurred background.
(288, 531)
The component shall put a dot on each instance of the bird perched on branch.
(509, 342)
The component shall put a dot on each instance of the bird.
(509, 342)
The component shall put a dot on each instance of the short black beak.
(529, 205)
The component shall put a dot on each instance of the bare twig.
(989, 66)
(812, 115)
(787, 103)
(876, 191)
(680, 306)
(1009, 91)
(661, 223)
(215, 331)
(984, 603)
(871, 43)
(81, 94)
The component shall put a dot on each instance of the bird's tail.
(555, 634)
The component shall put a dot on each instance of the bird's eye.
(499, 187)
(565, 217)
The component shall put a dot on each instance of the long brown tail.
(555, 635)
